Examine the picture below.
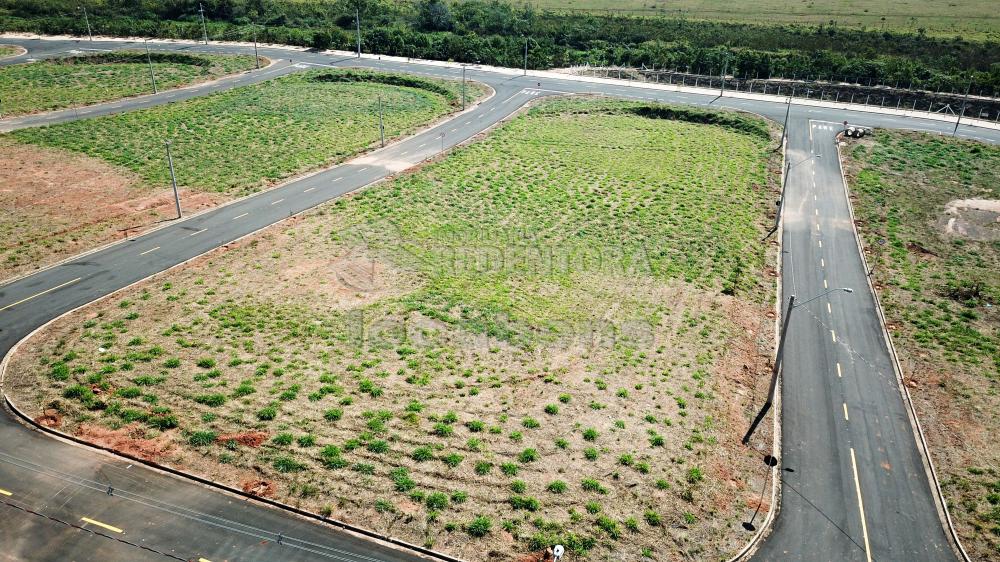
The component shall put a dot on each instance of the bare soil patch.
(131, 439)
(58, 203)
(975, 219)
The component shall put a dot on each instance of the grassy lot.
(80, 80)
(969, 18)
(549, 336)
(941, 291)
(224, 145)
(8, 50)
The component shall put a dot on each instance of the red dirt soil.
(129, 440)
(247, 438)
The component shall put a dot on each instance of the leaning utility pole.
(149, 61)
(525, 56)
(357, 24)
(964, 100)
(784, 127)
(204, 30)
(774, 373)
(86, 18)
(173, 180)
(255, 57)
(725, 67)
(463, 87)
(381, 122)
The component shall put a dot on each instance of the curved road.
(855, 487)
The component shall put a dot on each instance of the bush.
(609, 526)
(452, 460)
(129, 392)
(333, 414)
(437, 500)
(652, 517)
(378, 447)
(518, 486)
(331, 457)
(421, 454)
(694, 475)
(287, 464)
(480, 526)
(283, 439)
(530, 423)
(528, 455)
(592, 485)
(443, 430)
(306, 441)
(206, 363)
(509, 468)
(475, 426)
(525, 502)
(212, 400)
(459, 497)
(552, 409)
(556, 487)
(267, 413)
(401, 478)
(162, 422)
(202, 438)
(590, 434)
(483, 468)
(590, 453)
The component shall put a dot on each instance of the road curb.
(918, 433)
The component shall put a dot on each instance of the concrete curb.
(21, 53)
(918, 432)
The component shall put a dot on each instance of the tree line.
(494, 32)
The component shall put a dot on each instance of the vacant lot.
(74, 185)
(549, 336)
(81, 80)
(969, 18)
(930, 214)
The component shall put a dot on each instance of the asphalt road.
(847, 440)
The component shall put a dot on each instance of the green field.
(941, 292)
(8, 50)
(969, 18)
(542, 334)
(243, 140)
(81, 80)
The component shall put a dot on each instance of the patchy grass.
(76, 185)
(8, 50)
(420, 333)
(81, 80)
(941, 291)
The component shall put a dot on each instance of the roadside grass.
(64, 82)
(941, 293)
(8, 50)
(426, 355)
(76, 185)
(243, 140)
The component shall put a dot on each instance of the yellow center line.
(845, 413)
(278, 201)
(241, 216)
(839, 373)
(308, 190)
(861, 507)
(149, 250)
(36, 295)
(5, 492)
(196, 233)
(204, 560)
(111, 528)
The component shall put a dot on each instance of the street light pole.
(149, 61)
(525, 56)
(357, 23)
(778, 359)
(256, 58)
(463, 87)
(964, 100)
(381, 123)
(725, 67)
(204, 30)
(86, 18)
(173, 180)
(784, 127)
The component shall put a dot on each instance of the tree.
(321, 40)
(434, 16)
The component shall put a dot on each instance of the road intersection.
(854, 480)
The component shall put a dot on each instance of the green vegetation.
(936, 259)
(8, 50)
(239, 141)
(80, 80)
(928, 42)
(629, 235)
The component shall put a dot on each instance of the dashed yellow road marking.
(839, 373)
(36, 295)
(111, 528)
(861, 507)
(845, 413)
(149, 250)
(5, 492)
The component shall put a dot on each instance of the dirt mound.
(259, 488)
(130, 440)
(975, 219)
(247, 438)
(49, 418)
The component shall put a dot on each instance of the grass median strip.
(542, 338)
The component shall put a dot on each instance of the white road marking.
(846, 418)
(861, 507)
(337, 179)
(196, 233)
(149, 250)
(839, 373)
(12, 305)
(241, 216)
(278, 201)
(833, 336)
(362, 169)
(308, 190)
(829, 309)
(423, 145)
(822, 262)
(820, 243)
(824, 284)
(404, 153)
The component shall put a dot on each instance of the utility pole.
(173, 180)
(204, 30)
(964, 100)
(149, 61)
(463, 87)
(86, 18)
(525, 56)
(256, 58)
(778, 357)
(725, 67)
(381, 122)
(357, 23)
